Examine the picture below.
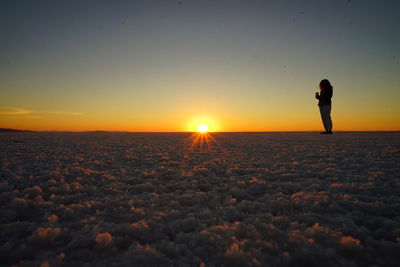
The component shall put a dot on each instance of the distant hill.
(8, 130)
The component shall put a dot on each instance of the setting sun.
(202, 128)
(203, 124)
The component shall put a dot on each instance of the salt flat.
(154, 199)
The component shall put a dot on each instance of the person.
(325, 104)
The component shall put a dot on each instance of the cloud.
(59, 112)
(34, 114)
(30, 117)
(13, 111)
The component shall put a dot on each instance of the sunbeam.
(203, 141)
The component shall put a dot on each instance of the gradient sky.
(168, 65)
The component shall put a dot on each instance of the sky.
(247, 65)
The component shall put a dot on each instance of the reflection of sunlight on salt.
(203, 141)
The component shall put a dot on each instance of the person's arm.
(329, 94)
(326, 95)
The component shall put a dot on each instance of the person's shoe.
(323, 132)
(329, 132)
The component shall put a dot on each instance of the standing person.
(325, 104)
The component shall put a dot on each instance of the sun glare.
(202, 128)
(202, 140)
(203, 125)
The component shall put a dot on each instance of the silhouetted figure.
(325, 104)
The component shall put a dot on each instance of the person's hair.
(325, 84)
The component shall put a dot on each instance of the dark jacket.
(325, 97)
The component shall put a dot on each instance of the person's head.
(324, 84)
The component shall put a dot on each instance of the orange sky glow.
(232, 65)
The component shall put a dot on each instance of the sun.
(202, 128)
(202, 125)
(202, 140)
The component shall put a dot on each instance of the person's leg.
(328, 127)
(322, 110)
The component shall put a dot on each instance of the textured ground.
(254, 199)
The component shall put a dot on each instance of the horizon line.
(4, 130)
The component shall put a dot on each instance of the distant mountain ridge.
(9, 130)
